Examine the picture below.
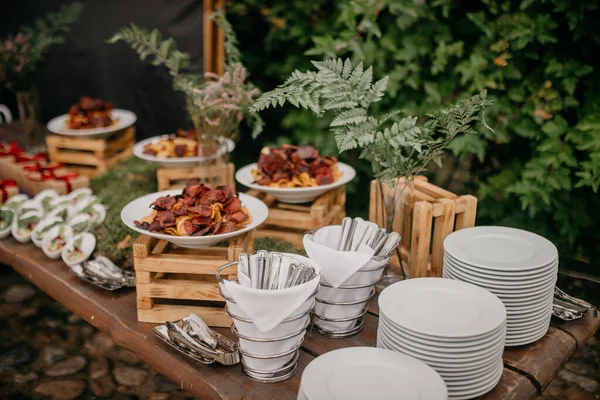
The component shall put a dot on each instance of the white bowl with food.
(161, 150)
(207, 226)
(24, 224)
(43, 228)
(55, 240)
(79, 249)
(7, 216)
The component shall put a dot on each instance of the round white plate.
(454, 266)
(508, 275)
(442, 307)
(294, 195)
(436, 363)
(140, 208)
(370, 373)
(227, 146)
(500, 248)
(418, 343)
(480, 378)
(475, 390)
(498, 287)
(520, 340)
(123, 119)
(524, 294)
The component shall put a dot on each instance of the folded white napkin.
(336, 266)
(267, 308)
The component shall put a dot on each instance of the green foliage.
(34, 42)
(216, 104)
(400, 150)
(540, 171)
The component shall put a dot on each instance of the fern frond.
(354, 116)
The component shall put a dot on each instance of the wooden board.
(210, 174)
(115, 314)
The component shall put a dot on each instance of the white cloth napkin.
(267, 308)
(336, 266)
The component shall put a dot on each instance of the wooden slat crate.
(432, 213)
(172, 282)
(290, 221)
(91, 156)
(211, 174)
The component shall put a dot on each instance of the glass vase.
(32, 130)
(396, 215)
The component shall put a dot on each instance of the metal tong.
(197, 345)
(569, 308)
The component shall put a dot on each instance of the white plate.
(419, 343)
(500, 248)
(524, 294)
(179, 162)
(475, 390)
(436, 363)
(509, 275)
(123, 118)
(359, 373)
(541, 275)
(294, 195)
(520, 340)
(140, 208)
(442, 307)
(498, 290)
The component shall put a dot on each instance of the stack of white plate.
(456, 328)
(359, 373)
(519, 267)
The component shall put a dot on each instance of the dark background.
(86, 65)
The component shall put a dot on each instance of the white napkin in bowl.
(336, 266)
(267, 308)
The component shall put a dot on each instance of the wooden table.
(528, 369)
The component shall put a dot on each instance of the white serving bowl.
(15, 202)
(5, 232)
(140, 208)
(67, 235)
(14, 229)
(123, 119)
(294, 195)
(43, 227)
(227, 146)
(88, 246)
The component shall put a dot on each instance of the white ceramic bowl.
(67, 235)
(14, 229)
(140, 208)
(87, 247)
(294, 195)
(179, 162)
(43, 228)
(123, 118)
(5, 232)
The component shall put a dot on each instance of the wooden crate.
(211, 174)
(90, 156)
(432, 213)
(172, 281)
(290, 221)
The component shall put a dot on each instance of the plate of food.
(196, 216)
(294, 174)
(178, 150)
(91, 117)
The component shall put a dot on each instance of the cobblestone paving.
(48, 352)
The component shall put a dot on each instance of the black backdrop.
(86, 65)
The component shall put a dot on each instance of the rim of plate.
(502, 293)
(125, 118)
(437, 314)
(508, 275)
(460, 244)
(482, 378)
(419, 342)
(480, 389)
(149, 198)
(511, 338)
(319, 377)
(138, 151)
(244, 176)
(499, 283)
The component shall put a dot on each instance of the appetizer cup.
(24, 224)
(31, 205)
(78, 196)
(46, 198)
(55, 240)
(97, 212)
(7, 216)
(60, 211)
(79, 249)
(15, 202)
(43, 228)
(80, 223)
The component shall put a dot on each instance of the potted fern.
(216, 104)
(399, 148)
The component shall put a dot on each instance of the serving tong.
(273, 270)
(357, 232)
(197, 341)
(104, 274)
(569, 308)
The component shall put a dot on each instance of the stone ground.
(48, 352)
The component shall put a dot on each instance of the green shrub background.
(541, 169)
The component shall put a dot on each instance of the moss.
(271, 244)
